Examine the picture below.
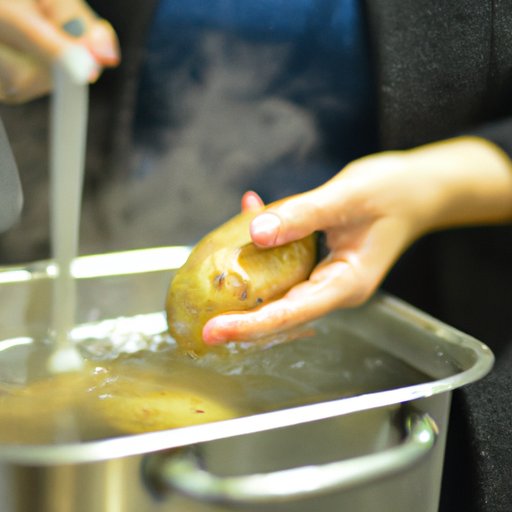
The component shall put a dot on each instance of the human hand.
(34, 34)
(363, 244)
(370, 213)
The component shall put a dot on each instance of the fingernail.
(265, 228)
(79, 64)
(103, 44)
(74, 27)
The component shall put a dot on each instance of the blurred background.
(211, 100)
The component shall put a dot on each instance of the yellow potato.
(160, 410)
(94, 404)
(226, 272)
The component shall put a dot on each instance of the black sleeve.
(499, 132)
(479, 451)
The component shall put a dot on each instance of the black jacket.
(445, 68)
(441, 67)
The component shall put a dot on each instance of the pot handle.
(182, 472)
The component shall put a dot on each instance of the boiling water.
(68, 138)
(137, 380)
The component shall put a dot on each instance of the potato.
(134, 399)
(103, 401)
(137, 412)
(227, 272)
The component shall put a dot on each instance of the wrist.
(467, 180)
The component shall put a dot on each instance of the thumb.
(27, 30)
(293, 218)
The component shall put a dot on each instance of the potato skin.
(135, 410)
(227, 272)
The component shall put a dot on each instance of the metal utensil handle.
(11, 195)
(181, 472)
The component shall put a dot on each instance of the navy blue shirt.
(299, 70)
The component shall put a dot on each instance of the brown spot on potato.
(218, 280)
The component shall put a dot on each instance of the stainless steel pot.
(381, 449)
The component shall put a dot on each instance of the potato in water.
(137, 412)
(227, 272)
(136, 399)
(103, 401)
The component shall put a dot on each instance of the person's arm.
(34, 34)
(371, 212)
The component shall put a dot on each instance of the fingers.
(363, 191)
(333, 286)
(25, 28)
(347, 279)
(65, 31)
(298, 216)
(102, 42)
(77, 19)
(251, 201)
